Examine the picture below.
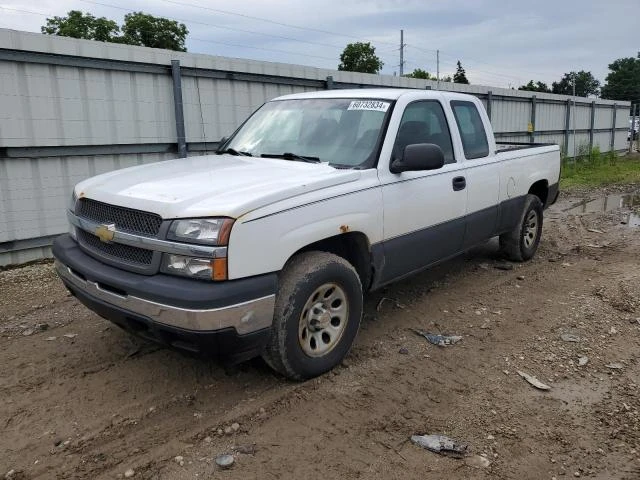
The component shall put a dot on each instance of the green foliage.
(82, 25)
(460, 76)
(535, 87)
(591, 168)
(419, 73)
(138, 29)
(360, 57)
(586, 84)
(146, 30)
(447, 79)
(623, 81)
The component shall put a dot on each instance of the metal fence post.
(532, 134)
(593, 121)
(489, 101)
(613, 128)
(567, 126)
(177, 103)
(329, 83)
(633, 124)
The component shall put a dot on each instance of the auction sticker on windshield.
(374, 105)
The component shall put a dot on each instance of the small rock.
(262, 410)
(503, 266)
(51, 339)
(129, 473)
(235, 427)
(403, 351)
(613, 331)
(615, 366)
(582, 361)
(219, 431)
(477, 461)
(490, 437)
(10, 474)
(576, 474)
(207, 439)
(42, 326)
(520, 277)
(28, 332)
(570, 337)
(71, 335)
(228, 431)
(225, 461)
(179, 460)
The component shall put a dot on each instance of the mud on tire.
(317, 315)
(521, 243)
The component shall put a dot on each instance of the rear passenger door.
(482, 172)
(423, 211)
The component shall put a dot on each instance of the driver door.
(424, 212)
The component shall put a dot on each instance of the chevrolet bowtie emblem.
(106, 232)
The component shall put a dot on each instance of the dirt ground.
(80, 399)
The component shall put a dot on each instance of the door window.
(424, 122)
(474, 138)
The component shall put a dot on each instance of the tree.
(623, 81)
(586, 84)
(138, 29)
(460, 76)
(146, 30)
(447, 79)
(419, 73)
(535, 87)
(81, 25)
(360, 57)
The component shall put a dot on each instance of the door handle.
(459, 183)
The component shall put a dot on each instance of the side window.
(474, 138)
(424, 122)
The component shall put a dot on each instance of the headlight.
(193, 267)
(206, 231)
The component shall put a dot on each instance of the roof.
(382, 93)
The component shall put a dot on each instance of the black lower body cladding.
(181, 293)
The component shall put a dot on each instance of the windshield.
(339, 131)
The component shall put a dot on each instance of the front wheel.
(317, 315)
(521, 243)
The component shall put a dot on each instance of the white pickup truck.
(267, 247)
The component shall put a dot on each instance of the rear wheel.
(521, 243)
(317, 315)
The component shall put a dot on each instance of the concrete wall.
(70, 109)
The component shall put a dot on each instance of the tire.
(521, 243)
(317, 315)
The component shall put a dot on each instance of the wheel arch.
(541, 190)
(354, 247)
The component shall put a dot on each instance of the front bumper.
(171, 310)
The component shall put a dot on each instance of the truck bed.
(508, 146)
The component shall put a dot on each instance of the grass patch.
(594, 169)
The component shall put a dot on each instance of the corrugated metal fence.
(70, 109)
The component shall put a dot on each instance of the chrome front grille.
(115, 251)
(125, 219)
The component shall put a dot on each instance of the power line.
(261, 19)
(198, 22)
(200, 39)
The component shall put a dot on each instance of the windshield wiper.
(292, 156)
(233, 151)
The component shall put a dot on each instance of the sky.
(500, 43)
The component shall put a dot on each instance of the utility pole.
(438, 68)
(401, 52)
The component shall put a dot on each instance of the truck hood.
(211, 185)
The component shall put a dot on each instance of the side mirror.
(222, 141)
(418, 157)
